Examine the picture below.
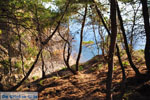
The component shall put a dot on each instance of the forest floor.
(90, 83)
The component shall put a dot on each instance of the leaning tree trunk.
(126, 43)
(111, 49)
(123, 85)
(28, 73)
(39, 52)
(102, 19)
(147, 31)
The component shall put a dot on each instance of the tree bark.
(81, 39)
(126, 42)
(111, 49)
(66, 60)
(123, 74)
(147, 31)
(105, 26)
(43, 65)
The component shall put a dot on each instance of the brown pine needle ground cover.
(90, 83)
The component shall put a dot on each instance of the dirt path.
(89, 84)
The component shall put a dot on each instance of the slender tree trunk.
(9, 59)
(37, 57)
(43, 64)
(10, 65)
(68, 57)
(147, 31)
(133, 28)
(102, 19)
(1, 85)
(125, 39)
(120, 62)
(126, 43)
(123, 74)
(28, 73)
(81, 39)
(50, 36)
(39, 30)
(118, 53)
(66, 60)
(111, 49)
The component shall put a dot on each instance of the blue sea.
(90, 51)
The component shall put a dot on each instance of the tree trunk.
(81, 39)
(68, 56)
(69, 49)
(123, 74)
(111, 49)
(28, 73)
(37, 57)
(147, 31)
(43, 64)
(125, 40)
(126, 43)
(102, 19)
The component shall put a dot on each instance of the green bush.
(100, 66)
(32, 50)
(80, 68)
(97, 68)
(27, 66)
(18, 64)
(93, 68)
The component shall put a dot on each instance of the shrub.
(100, 66)
(115, 68)
(93, 68)
(125, 63)
(80, 68)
